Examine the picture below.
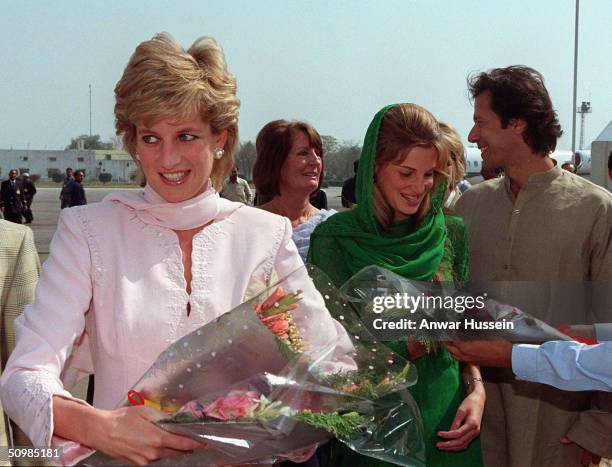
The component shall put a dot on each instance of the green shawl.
(412, 250)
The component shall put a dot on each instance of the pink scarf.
(195, 212)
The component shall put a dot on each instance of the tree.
(89, 142)
(339, 163)
(330, 144)
(245, 159)
(116, 141)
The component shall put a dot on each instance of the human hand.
(129, 434)
(466, 425)
(300, 455)
(587, 458)
(483, 353)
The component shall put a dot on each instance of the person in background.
(567, 365)
(569, 166)
(29, 190)
(318, 198)
(19, 271)
(456, 166)
(75, 195)
(12, 198)
(524, 230)
(288, 168)
(348, 189)
(236, 188)
(399, 224)
(64, 194)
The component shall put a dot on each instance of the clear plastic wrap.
(258, 384)
(393, 308)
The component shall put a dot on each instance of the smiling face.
(177, 156)
(495, 143)
(302, 167)
(405, 185)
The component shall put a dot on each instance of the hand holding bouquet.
(259, 382)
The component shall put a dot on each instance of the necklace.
(306, 214)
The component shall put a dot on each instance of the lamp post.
(584, 109)
(90, 110)
(575, 81)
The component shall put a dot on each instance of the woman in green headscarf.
(399, 224)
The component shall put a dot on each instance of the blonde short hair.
(457, 153)
(403, 128)
(162, 80)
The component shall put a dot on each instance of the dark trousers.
(27, 212)
(12, 216)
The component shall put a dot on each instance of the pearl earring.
(137, 157)
(219, 153)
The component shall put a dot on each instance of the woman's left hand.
(466, 425)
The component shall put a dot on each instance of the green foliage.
(341, 426)
(339, 163)
(330, 144)
(362, 383)
(245, 159)
(89, 142)
(57, 177)
(285, 350)
(34, 177)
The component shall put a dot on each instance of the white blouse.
(112, 296)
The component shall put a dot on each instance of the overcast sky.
(332, 63)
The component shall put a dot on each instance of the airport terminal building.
(46, 163)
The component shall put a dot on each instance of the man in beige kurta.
(236, 189)
(19, 271)
(543, 236)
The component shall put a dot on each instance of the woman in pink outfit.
(131, 275)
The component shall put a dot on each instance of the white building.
(601, 149)
(46, 163)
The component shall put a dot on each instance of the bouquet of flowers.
(260, 383)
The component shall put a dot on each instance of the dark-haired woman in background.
(288, 169)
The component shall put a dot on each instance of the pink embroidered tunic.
(112, 296)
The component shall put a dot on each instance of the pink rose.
(278, 325)
(236, 404)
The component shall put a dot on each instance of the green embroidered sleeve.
(458, 243)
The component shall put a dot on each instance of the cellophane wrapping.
(256, 387)
(438, 311)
